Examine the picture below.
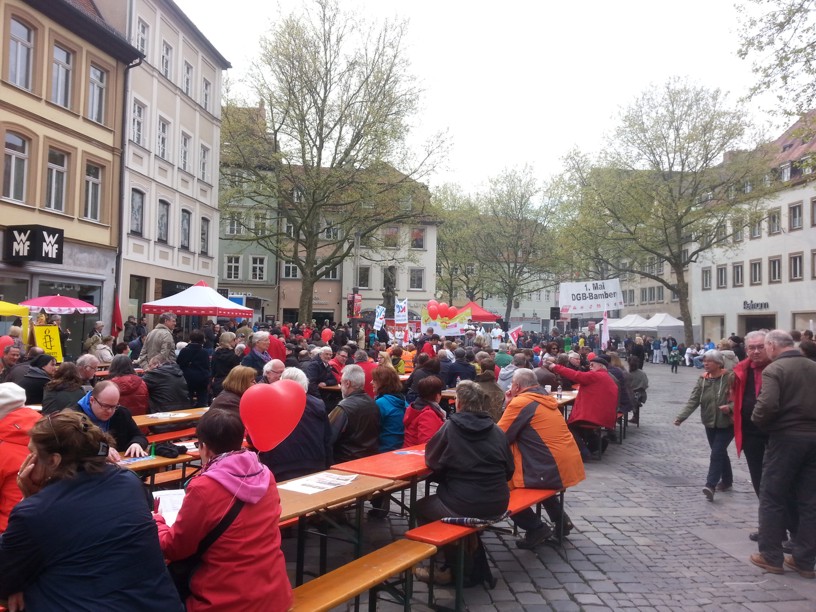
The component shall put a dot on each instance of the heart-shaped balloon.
(433, 311)
(432, 303)
(271, 412)
(443, 309)
(452, 311)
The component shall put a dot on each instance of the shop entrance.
(749, 323)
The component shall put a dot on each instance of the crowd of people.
(366, 393)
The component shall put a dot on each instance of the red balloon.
(271, 412)
(5, 341)
(452, 311)
(433, 311)
(443, 309)
(432, 303)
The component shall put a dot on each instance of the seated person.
(424, 416)
(472, 462)
(355, 422)
(166, 385)
(101, 405)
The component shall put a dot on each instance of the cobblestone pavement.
(646, 538)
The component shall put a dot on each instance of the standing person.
(129, 333)
(745, 390)
(16, 420)
(232, 482)
(639, 351)
(640, 383)
(784, 410)
(223, 360)
(159, 341)
(711, 394)
(194, 362)
(656, 351)
(82, 538)
(259, 355)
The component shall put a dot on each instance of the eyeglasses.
(755, 347)
(111, 407)
(276, 371)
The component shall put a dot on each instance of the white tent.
(632, 323)
(198, 300)
(667, 325)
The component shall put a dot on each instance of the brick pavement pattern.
(645, 536)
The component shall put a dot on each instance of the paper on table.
(168, 415)
(410, 452)
(318, 482)
(170, 503)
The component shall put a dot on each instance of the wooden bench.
(441, 534)
(363, 574)
(169, 436)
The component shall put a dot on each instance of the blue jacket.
(392, 412)
(86, 543)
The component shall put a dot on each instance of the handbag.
(182, 571)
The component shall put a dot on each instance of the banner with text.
(590, 296)
(446, 325)
(401, 312)
(379, 318)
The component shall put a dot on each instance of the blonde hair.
(239, 379)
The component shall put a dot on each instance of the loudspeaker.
(574, 323)
(555, 313)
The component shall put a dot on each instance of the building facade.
(62, 93)
(170, 186)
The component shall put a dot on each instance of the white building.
(170, 185)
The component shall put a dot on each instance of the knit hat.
(11, 396)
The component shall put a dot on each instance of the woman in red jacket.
(133, 393)
(424, 416)
(15, 422)
(244, 568)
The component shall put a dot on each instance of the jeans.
(719, 465)
(789, 467)
(698, 362)
(753, 446)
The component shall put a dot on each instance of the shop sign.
(752, 305)
(33, 243)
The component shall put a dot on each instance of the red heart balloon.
(432, 303)
(433, 311)
(452, 311)
(271, 412)
(5, 341)
(443, 309)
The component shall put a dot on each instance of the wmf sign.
(33, 243)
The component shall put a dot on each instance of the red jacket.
(422, 420)
(277, 349)
(368, 369)
(14, 440)
(737, 391)
(597, 402)
(133, 393)
(337, 368)
(429, 349)
(244, 569)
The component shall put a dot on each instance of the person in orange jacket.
(545, 453)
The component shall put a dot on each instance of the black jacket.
(461, 369)
(194, 362)
(34, 384)
(308, 447)
(318, 372)
(223, 360)
(355, 424)
(123, 429)
(472, 462)
(167, 388)
(55, 400)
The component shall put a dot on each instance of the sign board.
(48, 339)
(33, 243)
(590, 296)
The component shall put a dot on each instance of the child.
(674, 359)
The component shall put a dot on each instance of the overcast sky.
(523, 82)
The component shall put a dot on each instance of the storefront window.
(14, 291)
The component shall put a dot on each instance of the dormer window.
(785, 173)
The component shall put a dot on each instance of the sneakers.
(724, 487)
(787, 547)
(534, 537)
(790, 563)
(754, 536)
(758, 560)
(709, 493)
(442, 575)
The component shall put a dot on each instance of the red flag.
(514, 334)
(116, 322)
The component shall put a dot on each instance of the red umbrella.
(59, 304)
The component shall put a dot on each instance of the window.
(204, 170)
(418, 238)
(774, 222)
(748, 188)
(675, 296)
(258, 268)
(137, 123)
(96, 94)
(15, 167)
(629, 297)
(290, 270)
(795, 266)
(813, 264)
(56, 180)
(93, 192)
(332, 274)
(205, 236)
(470, 269)
(785, 173)
(21, 54)
(206, 94)
(660, 293)
(722, 277)
(136, 212)
(774, 269)
(706, 278)
(364, 277)
(184, 151)
(651, 295)
(184, 241)
(259, 223)
(163, 221)
(331, 232)
(232, 267)
(738, 228)
(813, 212)
(61, 77)
(142, 36)
(391, 237)
(289, 230)
(756, 272)
(187, 82)
(416, 279)
(167, 60)
(737, 274)
(161, 138)
(756, 229)
(233, 220)
(684, 257)
(644, 295)
(795, 216)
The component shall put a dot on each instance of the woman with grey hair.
(308, 448)
(712, 395)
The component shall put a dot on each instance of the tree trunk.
(685, 311)
(306, 299)
(508, 309)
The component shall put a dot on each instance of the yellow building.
(62, 92)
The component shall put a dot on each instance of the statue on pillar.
(389, 293)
